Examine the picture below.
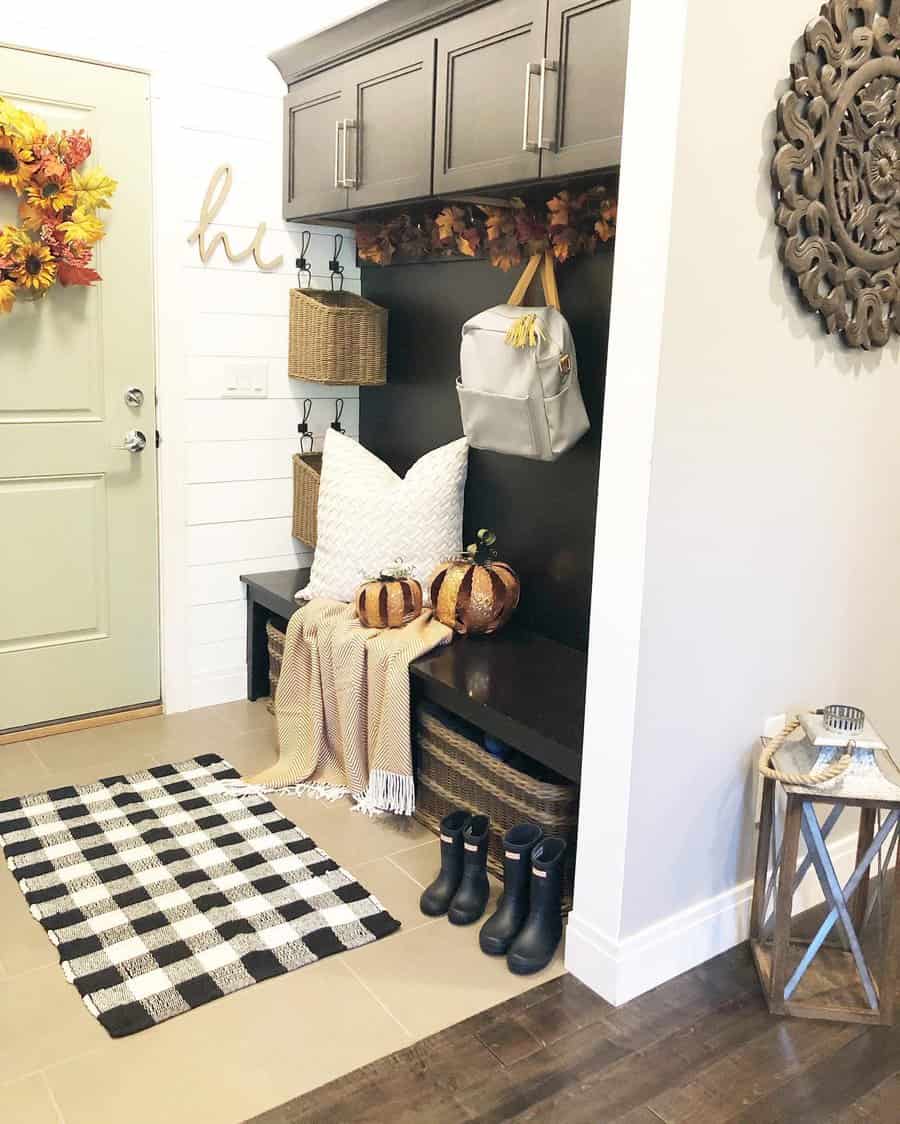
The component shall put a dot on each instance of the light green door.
(79, 613)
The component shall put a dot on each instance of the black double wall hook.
(304, 430)
(302, 262)
(337, 270)
(338, 411)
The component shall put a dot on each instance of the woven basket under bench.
(275, 644)
(452, 771)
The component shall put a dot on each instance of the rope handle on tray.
(805, 780)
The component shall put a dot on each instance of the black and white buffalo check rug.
(170, 887)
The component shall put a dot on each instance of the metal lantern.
(838, 960)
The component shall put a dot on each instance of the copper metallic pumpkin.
(470, 597)
(388, 603)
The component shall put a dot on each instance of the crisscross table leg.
(838, 898)
(768, 919)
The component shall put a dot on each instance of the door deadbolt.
(134, 396)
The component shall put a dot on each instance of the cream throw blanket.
(342, 706)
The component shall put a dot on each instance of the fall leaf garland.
(572, 223)
(58, 205)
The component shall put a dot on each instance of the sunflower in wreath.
(58, 205)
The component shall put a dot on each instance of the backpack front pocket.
(500, 422)
(567, 419)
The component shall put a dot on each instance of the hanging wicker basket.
(307, 474)
(338, 338)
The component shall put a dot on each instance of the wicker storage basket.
(454, 772)
(307, 474)
(338, 338)
(275, 644)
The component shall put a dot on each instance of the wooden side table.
(853, 978)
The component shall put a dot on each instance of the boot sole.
(492, 947)
(432, 913)
(526, 967)
(463, 919)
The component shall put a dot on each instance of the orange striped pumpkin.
(470, 597)
(388, 602)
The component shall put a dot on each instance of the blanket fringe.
(387, 792)
(318, 790)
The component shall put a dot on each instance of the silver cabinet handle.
(546, 64)
(338, 125)
(346, 180)
(133, 442)
(528, 145)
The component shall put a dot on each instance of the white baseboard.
(619, 971)
(218, 687)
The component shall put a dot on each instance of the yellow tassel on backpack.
(526, 331)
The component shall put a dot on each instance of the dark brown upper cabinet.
(441, 97)
(315, 142)
(390, 138)
(584, 95)
(487, 96)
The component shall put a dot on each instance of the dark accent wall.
(543, 513)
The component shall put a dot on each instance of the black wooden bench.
(522, 688)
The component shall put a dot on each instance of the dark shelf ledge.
(522, 688)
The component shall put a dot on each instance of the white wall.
(237, 452)
(771, 529)
(224, 464)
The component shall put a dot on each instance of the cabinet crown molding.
(387, 23)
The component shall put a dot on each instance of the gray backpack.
(518, 383)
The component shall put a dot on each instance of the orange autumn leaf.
(505, 254)
(76, 274)
(468, 242)
(558, 207)
(33, 218)
(603, 230)
(499, 222)
(449, 222)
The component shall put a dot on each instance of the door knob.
(134, 396)
(133, 442)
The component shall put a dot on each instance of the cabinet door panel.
(393, 90)
(312, 110)
(483, 59)
(589, 41)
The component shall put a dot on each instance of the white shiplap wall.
(237, 467)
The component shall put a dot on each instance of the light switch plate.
(246, 379)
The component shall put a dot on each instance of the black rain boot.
(474, 889)
(533, 948)
(437, 897)
(497, 932)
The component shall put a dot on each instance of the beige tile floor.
(257, 1048)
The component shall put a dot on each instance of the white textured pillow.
(368, 516)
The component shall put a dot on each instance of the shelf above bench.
(522, 688)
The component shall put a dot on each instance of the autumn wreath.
(58, 207)
(569, 224)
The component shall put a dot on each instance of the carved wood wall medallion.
(837, 169)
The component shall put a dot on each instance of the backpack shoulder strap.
(548, 280)
(518, 294)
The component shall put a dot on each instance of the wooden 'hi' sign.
(213, 202)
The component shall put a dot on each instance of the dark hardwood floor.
(700, 1049)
